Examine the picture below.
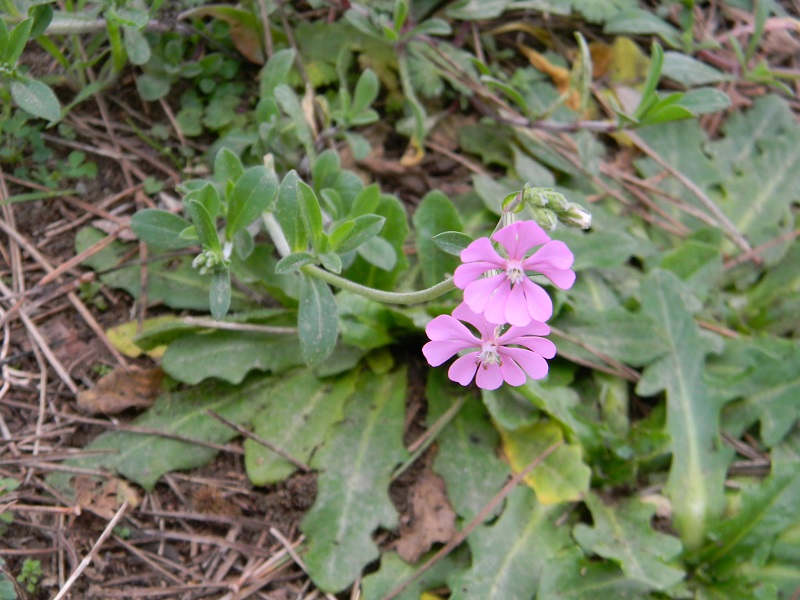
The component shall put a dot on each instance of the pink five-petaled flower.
(510, 296)
(495, 357)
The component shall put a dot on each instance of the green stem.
(379, 295)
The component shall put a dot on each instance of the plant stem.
(379, 295)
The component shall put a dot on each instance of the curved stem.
(379, 295)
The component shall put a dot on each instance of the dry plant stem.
(479, 518)
(690, 185)
(288, 546)
(73, 298)
(755, 252)
(89, 557)
(39, 340)
(212, 324)
(259, 440)
(619, 369)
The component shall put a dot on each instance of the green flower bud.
(545, 218)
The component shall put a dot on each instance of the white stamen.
(489, 355)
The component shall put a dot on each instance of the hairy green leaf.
(252, 194)
(316, 320)
(435, 214)
(36, 97)
(355, 462)
(623, 533)
(698, 467)
(160, 228)
(296, 419)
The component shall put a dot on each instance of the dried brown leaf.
(121, 390)
(433, 519)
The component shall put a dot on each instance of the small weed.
(30, 575)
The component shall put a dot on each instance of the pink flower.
(510, 296)
(492, 356)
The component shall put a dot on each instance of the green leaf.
(639, 21)
(768, 508)
(365, 227)
(467, 457)
(689, 71)
(293, 262)
(17, 40)
(36, 98)
(310, 215)
(331, 261)
(206, 231)
(765, 373)
(145, 458)
(219, 294)
(365, 93)
(562, 476)
(366, 202)
(229, 355)
(316, 320)
(571, 576)
(290, 104)
(42, 15)
(136, 45)
(509, 556)
(227, 167)
(379, 253)
(627, 337)
(452, 242)
(252, 194)
(288, 214)
(476, 10)
(434, 215)
(698, 468)
(649, 97)
(276, 71)
(299, 413)
(352, 498)
(394, 571)
(152, 87)
(623, 533)
(160, 228)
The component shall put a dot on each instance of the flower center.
(514, 271)
(489, 355)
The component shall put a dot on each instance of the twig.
(479, 518)
(258, 439)
(89, 557)
(289, 548)
(789, 235)
(690, 185)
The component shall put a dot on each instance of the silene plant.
(343, 239)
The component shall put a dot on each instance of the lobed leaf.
(355, 462)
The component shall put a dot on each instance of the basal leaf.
(394, 571)
(623, 533)
(764, 373)
(698, 468)
(435, 214)
(229, 355)
(572, 576)
(316, 320)
(509, 556)
(767, 509)
(467, 457)
(356, 463)
(145, 458)
(562, 476)
(298, 415)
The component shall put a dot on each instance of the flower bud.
(545, 218)
(576, 216)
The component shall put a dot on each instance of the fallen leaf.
(122, 336)
(559, 75)
(120, 390)
(433, 519)
(103, 497)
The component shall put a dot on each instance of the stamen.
(515, 272)
(489, 355)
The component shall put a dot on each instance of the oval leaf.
(252, 195)
(317, 322)
(36, 98)
(160, 228)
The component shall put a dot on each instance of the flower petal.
(481, 250)
(445, 327)
(534, 365)
(554, 253)
(512, 374)
(516, 311)
(540, 306)
(495, 309)
(520, 237)
(513, 333)
(541, 346)
(478, 293)
(464, 313)
(468, 272)
(489, 377)
(437, 353)
(463, 369)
